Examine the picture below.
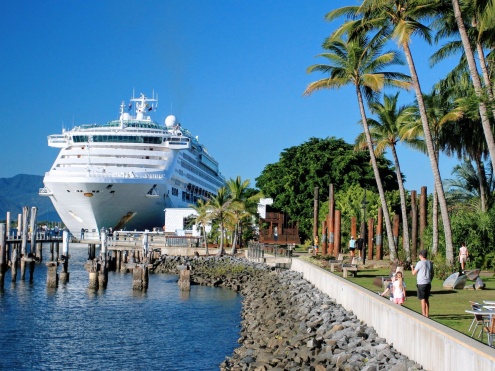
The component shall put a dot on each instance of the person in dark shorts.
(424, 274)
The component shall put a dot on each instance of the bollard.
(3, 255)
(184, 278)
(64, 275)
(103, 271)
(51, 275)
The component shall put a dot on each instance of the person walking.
(424, 274)
(360, 247)
(352, 246)
(463, 256)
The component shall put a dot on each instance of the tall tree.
(403, 19)
(237, 189)
(385, 133)
(360, 62)
(481, 5)
(219, 207)
(202, 219)
(318, 163)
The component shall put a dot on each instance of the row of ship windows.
(195, 170)
(124, 139)
(117, 139)
(186, 196)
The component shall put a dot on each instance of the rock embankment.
(288, 324)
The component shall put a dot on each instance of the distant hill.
(22, 190)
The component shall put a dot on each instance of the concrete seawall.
(434, 346)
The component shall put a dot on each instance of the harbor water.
(74, 328)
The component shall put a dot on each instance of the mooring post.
(140, 277)
(7, 225)
(24, 237)
(3, 255)
(184, 277)
(52, 274)
(14, 261)
(103, 273)
(33, 251)
(64, 275)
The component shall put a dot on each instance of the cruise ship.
(123, 174)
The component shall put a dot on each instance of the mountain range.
(22, 190)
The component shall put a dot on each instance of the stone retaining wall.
(288, 324)
(431, 344)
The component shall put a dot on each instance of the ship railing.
(109, 175)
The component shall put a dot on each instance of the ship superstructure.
(124, 173)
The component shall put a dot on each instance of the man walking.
(424, 272)
(360, 248)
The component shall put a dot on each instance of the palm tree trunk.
(378, 179)
(402, 192)
(482, 182)
(206, 242)
(434, 223)
(220, 248)
(449, 248)
(434, 209)
(233, 251)
(473, 70)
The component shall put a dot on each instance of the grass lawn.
(446, 306)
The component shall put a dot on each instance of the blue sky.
(232, 71)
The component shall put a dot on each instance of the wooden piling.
(315, 216)
(140, 277)
(423, 210)
(353, 227)
(7, 225)
(3, 255)
(184, 278)
(24, 238)
(103, 272)
(336, 228)
(14, 261)
(64, 275)
(51, 274)
(379, 235)
(331, 217)
(414, 226)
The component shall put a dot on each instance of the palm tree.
(403, 17)
(385, 133)
(219, 207)
(440, 111)
(202, 219)
(237, 189)
(359, 62)
(482, 6)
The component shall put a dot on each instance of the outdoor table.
(484, 313)
(489, 307)
(489, 302)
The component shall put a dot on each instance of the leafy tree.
(318, 163)
(359, 61)
(401, 19)
(202, 219)
(219, 207)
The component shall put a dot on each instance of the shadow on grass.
(452, 317)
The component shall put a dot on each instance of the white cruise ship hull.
(123, 174)
(88, 203)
